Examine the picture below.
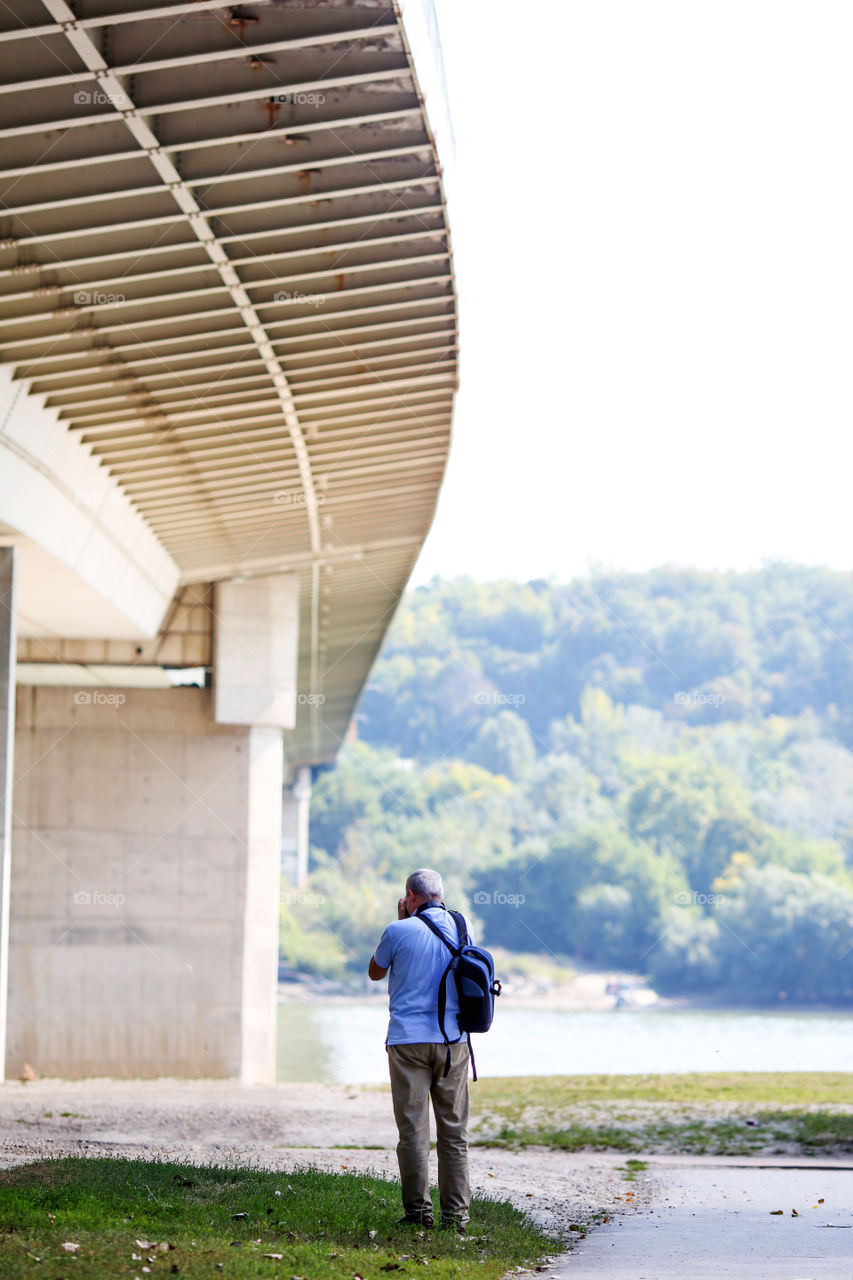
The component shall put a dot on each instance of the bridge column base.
(145, 887)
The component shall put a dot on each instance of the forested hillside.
(645, 771)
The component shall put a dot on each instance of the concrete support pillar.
(302, 796)
(7, 752)
(256, 650)
(145, 887)
(296, 806)
(259, 998)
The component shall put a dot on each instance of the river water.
(344, 1043)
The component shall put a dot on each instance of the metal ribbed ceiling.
(225, 263)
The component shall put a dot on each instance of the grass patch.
(208, 1221)
(720, 1113)
(511, 1095)
(808, 1133)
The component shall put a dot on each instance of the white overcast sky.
(653, 229)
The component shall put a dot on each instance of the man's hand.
(402, 909)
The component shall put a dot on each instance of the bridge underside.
(225, 267)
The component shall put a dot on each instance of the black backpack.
(476, 986)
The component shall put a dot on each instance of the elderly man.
(417, 1054)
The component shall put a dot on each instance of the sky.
(652, 221)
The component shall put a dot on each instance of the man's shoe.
(416, 1220)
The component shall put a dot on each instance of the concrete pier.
(145, 887)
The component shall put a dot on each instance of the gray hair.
(426, 884)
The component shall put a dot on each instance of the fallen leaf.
(70, 1247)
(777, 1212)
(391, 1266)
(276, 1257)
(145, 1245)
(794, 1213)
(239, 1215)
(820, 1201)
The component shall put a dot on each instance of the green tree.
(787, 936)
(503, 745)
(675, 807)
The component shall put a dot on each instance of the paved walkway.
(716, 1222)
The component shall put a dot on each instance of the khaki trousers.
(416, 1076)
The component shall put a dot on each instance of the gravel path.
(281, 1127)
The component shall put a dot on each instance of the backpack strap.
(465, 941)
(461, 928)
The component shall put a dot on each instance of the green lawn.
(205, 1221)
(745, 1113)
(784, 1088)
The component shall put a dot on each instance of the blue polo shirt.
(416, 959)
